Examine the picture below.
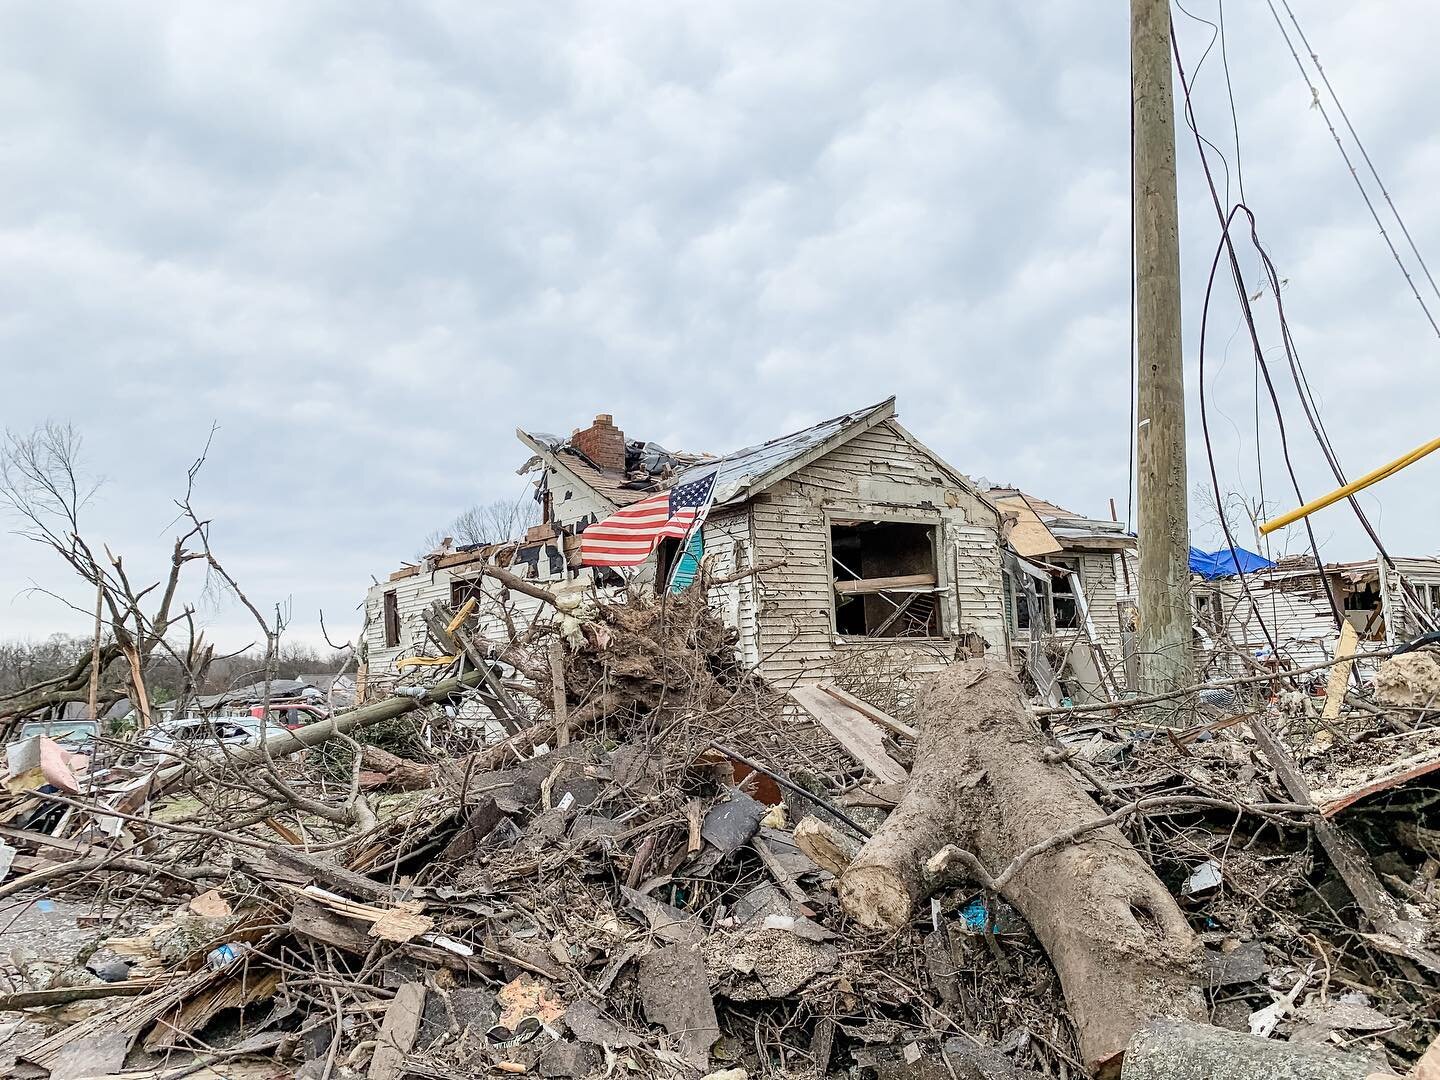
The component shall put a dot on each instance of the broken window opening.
(886, 579)
(1365, 610)
(666, 552)
(1018, 603)
(1063, 601)
(392, 619)
(462, 589)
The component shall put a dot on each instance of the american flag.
(627, 537)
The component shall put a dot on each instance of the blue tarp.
(1218, 564)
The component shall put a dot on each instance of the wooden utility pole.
(1161, 488)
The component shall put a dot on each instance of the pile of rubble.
(668, 868)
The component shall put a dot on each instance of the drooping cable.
(1359, 184)
(1228, 246)
(1374, 172)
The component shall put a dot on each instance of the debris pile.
(658, 865)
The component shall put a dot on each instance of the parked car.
(75, 735)
(205, 734)
(291, 714)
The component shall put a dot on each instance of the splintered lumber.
(865, 586)
(981, 782)
(129, 1016)
(852, 729)
(496, 698)
(242, 987)
(1350, 861)
(1180, 1050)
(62, 995)
(1340, 673)
(398, 1031)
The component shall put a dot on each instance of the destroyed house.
(1069, 586)
(846, 537)
(1289, 609)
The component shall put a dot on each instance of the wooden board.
(880, 717)
(1340, 673)
(864, 586)
(398, 1031)
(861, 739)
(1029, 536)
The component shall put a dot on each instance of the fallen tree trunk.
(982, 782)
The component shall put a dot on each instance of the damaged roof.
(654, 466)
(748, 470)
(1045, 528)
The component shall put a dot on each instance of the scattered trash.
(1203, 879)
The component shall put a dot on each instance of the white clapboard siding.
(728, 551)
(1300, 620)
(879, 473)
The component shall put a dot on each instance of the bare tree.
(491, 523)
(45, 488)
(1238, 514)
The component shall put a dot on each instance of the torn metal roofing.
(743, 470)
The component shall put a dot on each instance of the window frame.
(1075, 564)
(833, 516)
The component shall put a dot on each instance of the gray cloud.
(370, 240)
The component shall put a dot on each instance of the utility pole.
(1164, 645)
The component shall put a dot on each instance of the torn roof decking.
(1042, 528)
(740, 472)
(614, 487)
(749, 469)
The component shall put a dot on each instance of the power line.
(1315, 59)
(1315, 99)
(1228, 246)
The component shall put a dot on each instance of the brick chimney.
(603, 443)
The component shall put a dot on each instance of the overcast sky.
(369, 240)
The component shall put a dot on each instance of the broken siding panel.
(1421, 585)
(974, 566)
(572, 502)
(728, 551)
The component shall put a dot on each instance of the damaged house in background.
(1070, 595)
(858, 545)
(860, 538)
(1288, 610)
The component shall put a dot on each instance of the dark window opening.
(1065, 603)
(665, 555)
(462, 589)
(392, 619)
(886, 582)
(1210, 611)
(1017, 601)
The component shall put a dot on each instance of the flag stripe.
(628, 536)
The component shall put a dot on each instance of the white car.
(206, 735)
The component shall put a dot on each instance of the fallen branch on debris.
(1218, 684)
